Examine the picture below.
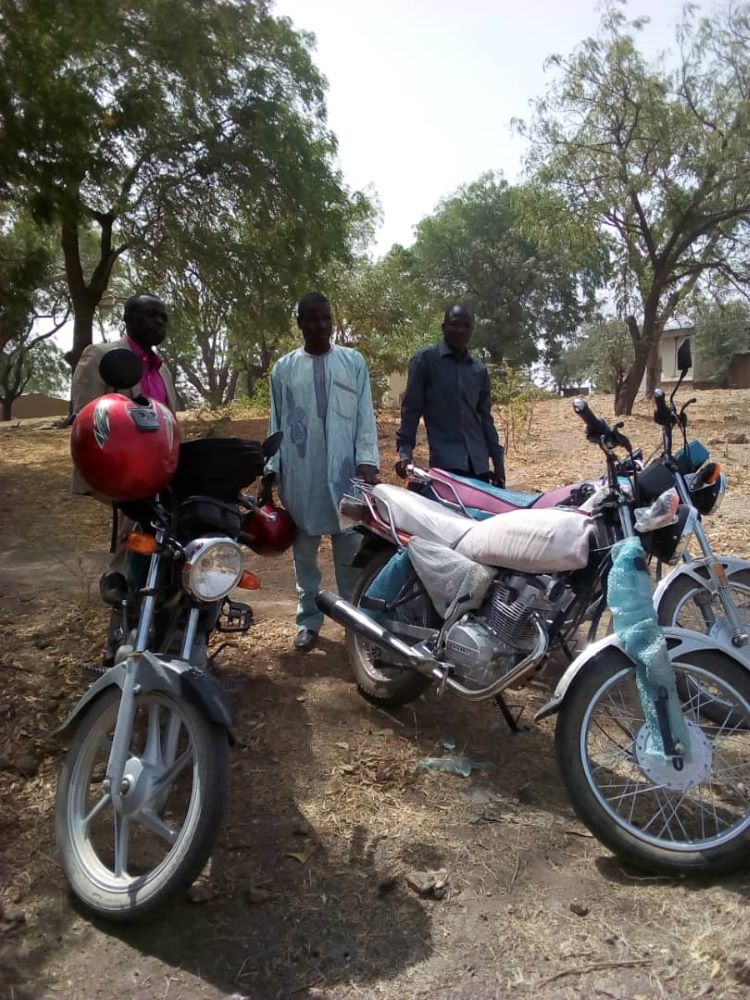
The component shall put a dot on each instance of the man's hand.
(369, 473)
(265, 493)
(498, 476)
(401, 466)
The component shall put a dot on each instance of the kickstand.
(511, 719)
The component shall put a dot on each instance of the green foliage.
(384, 312)
(656, 158)
(720, 332)
(30, 364)
(26, 259)
(121, 119)
(515, 397)
(528, 272)
(601, 355)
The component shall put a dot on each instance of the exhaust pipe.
(349, 616)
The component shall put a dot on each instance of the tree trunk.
(83, 330)
(7, 407)
(653, 369)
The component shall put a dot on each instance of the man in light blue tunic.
(322, 401)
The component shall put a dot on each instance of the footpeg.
(235, 617)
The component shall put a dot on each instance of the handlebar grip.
(595, 426)
(662, 413)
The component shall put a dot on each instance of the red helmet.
(269, 530)
(123, 448)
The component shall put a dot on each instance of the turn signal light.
(144, 544)
(249, 581)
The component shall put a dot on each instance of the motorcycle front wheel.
(692, 821)
(124, 863)
(378, 680)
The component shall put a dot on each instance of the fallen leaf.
(298, 856)
(256, 896)
(342, 746)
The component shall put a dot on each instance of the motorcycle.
(476, 623)
(145, 780)
(708, 594)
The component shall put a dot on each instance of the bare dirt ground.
(328, 812)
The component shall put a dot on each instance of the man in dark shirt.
(451, 390)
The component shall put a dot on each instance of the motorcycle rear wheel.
(123, 865)
(696, 821)
(379, 682)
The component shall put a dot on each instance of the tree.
(26, 260)
(657, 159)
(490, 243)
(115, 117)
(601, 355)
(383, 311)
(720, 331)
(30, 363)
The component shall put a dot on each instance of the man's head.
(146, 319)
(315, 321)
(458, 326)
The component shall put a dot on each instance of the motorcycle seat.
(416, 515)
(514, 498)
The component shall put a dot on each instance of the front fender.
(697, 569)
(154, 672)
(681, 643)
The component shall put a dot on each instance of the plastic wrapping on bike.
(449, 578)
(629, 598)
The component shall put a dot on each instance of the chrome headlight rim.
(197, 552)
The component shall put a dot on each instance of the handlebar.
(663, 413)
(597, 429)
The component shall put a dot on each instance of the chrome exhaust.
(420, 659)
(349, 616)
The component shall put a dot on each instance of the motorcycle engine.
(486, 645)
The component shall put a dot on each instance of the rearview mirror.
(684, 356)
(121, 369)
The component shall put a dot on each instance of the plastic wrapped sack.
(450, 579)
(636, 626)
(662, 512)
(530, 541)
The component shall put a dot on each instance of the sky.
(422, 92)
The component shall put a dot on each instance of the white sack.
(531, 541)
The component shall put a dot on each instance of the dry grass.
(329, 812)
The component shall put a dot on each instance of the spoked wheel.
(688, 605)
(695, 820)
(122, 863)
(379, 680)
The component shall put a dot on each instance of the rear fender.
(161, 673)
(683, 646)
(697, 570)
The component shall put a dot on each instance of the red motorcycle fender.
(160, 673)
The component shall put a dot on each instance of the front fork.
(119, 752)
(717, 583)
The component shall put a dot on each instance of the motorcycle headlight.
(659, 514)
(213, 567)
(668, 544)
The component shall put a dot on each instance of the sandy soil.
(328, 811)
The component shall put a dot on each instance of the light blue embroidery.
(297, 422)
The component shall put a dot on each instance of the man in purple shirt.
(146, 321)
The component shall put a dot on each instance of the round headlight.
(213, 567)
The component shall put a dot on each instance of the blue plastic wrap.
(388, 582)
(629, 598)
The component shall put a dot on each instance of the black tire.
(730, 855)
(669, 609)
(192, 848)
(388, 686)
